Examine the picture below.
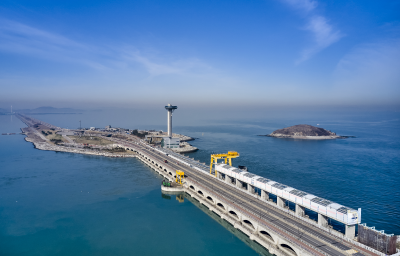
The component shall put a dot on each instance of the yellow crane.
(226, 156)
(179, 176)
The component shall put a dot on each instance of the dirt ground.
(93, 141)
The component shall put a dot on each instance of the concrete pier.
(300, 211)
(264, 195)
(280, 201)
(239, 184)
(322, 220)
(251, 189)
(350, 231)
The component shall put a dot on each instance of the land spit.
(42, 144)
(45, 136)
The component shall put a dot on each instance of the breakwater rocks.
(304, 131)
(184, 147)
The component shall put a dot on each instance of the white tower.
(170, 109)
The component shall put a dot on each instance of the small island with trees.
(305, 131)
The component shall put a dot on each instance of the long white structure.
(325, 208)
(170, 109)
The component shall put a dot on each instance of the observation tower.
(170, 109)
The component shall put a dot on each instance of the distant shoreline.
(52, 113)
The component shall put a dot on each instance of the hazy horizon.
(155, 117)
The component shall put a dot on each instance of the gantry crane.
(226, 156)
(179, 176)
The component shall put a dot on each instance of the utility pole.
(80, 125)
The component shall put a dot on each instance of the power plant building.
(169, 142)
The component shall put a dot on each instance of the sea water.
(68, 204)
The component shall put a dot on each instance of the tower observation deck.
(170, 109)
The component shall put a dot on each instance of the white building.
(168, 142)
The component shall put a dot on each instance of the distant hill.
(304, 131)
(48, 110)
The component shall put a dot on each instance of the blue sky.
(93, 54)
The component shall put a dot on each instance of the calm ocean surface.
(68, 204)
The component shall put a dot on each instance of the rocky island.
(304, 131)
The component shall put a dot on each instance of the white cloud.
(302, 5)
(370, 71)
(22, 39)
(323, 33)
(163, 67)
(19, 38)
(135, 71)
(12, 30)
(156, 68)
